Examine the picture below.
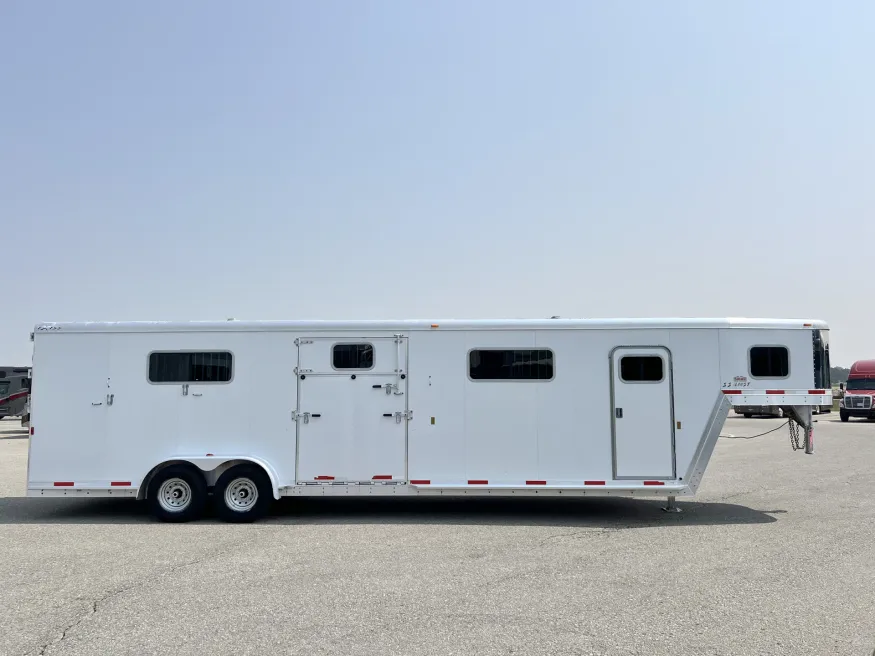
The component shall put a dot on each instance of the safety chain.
(795, 436)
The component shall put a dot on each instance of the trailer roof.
(233, 325)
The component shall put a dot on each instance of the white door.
(642, 413)
(352, 409)
(70, 404)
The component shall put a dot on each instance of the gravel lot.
(775, 556)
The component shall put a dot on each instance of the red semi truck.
(858, 398)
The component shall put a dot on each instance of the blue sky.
(429, 159)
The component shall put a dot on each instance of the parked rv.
(163, 412)
(859, 392)
(14, 390)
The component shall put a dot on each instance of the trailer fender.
(212, 466)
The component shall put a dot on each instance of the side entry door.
(352, 409)
(642, 413)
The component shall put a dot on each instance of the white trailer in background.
(251, 411)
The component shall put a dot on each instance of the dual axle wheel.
(179, 494)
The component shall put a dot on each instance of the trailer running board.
(625, 489)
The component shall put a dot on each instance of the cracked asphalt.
(776, 555)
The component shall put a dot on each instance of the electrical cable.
(750, 437)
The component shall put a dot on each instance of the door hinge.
(299, 341)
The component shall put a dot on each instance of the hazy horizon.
(453, 160)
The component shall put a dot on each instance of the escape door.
(642, 413)
(352, 409)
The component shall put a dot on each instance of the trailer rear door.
(352, 409)
(642, 413)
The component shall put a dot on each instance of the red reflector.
(478, 482)
(382, 477)
(536, 482)
(653, 483)
(732, 391)
(420, 481)
(593, 482)
(121, 483)
(324, 478)
(31, 430)
(210, 455)
(817, 391)
(774, 391)
(63, 483)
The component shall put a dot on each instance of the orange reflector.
(434, 325)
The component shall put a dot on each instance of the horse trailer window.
(352, 356)
(510, 364)
(190, 367)
(769, 362)
(641, 369)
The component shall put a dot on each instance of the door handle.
(618, 413)
(196, 394)
(101, 403)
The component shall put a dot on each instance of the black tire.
(843, 416)
(234, 492)
(747, 415)
(171, 487)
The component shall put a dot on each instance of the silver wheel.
(174, 495)
(241, 494)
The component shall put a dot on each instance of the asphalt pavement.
(776, 555)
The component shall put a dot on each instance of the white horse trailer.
(243, 412)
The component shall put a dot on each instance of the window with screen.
(352, 356)
(190, 367)
(641, 369)
(510, 364)
(769, 362)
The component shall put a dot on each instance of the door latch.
(399, 415)
(304, 416)
(618, 413)
(110, 398)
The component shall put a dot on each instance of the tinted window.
(510, 364)
(353, 356)
(200, 367)
(641, 369)
(769, 362)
